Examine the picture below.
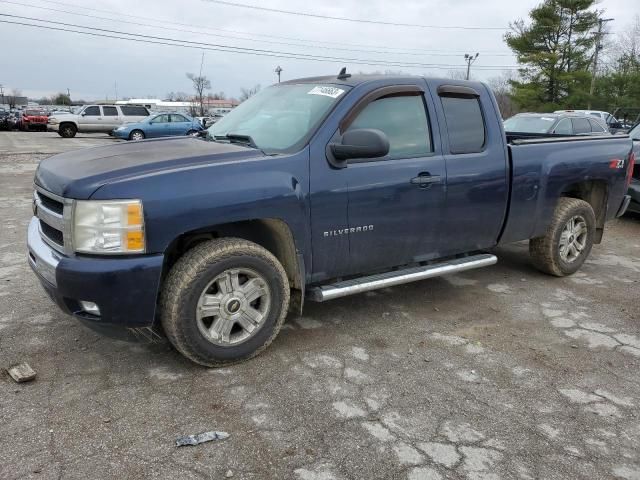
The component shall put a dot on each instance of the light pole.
(598, 36)
(2, 93)
(278, 70)
(470, 58)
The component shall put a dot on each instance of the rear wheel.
(67, 130)
(136, 135)
(192, 133)
(224, 301)
(568, 240)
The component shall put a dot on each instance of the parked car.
(96, 119)
(159, 125)
(314, 188)
(612, 123)
(5, 123)
(33, 120)
(541, 124)
(634, 187)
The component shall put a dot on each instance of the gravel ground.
(497, 373)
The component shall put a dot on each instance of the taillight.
(632, 162)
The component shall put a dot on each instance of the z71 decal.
(616, 163)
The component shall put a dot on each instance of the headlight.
(120, 128)
(53, 120)
(108, 226)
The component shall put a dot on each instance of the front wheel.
(568, 240)
(136, 135)
(67, 130)
(224, 301)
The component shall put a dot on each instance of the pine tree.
(555, 50)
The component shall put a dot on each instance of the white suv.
(96, 119)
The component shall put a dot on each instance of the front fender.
(199, 197)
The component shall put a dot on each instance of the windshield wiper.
(245, 140)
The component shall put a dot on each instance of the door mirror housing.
(361, 143)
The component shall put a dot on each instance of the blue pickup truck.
(315, 188)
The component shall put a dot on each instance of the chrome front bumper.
(42, 258)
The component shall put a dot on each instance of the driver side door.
(90, 119)
(395, 203)
(159, 127)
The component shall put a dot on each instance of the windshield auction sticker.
(332, 92)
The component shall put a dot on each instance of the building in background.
(219, 107)
(9, 101)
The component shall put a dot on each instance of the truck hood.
(78, 174)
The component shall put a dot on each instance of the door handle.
(425, 179)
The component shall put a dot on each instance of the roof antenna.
(343, 75)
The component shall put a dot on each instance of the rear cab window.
(465, 122)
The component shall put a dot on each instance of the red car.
(34, 120)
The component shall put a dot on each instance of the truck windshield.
(529, 124)
(280, 118)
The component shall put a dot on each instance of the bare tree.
(246, 93)
(501, 87)
(12, 98)
(200, 84)
(627, 47)
(458, 75)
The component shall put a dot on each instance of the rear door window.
(563, 127)
(175, 118)
(465, 124)
(110, 111)
(581, 125)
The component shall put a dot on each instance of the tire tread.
(542, 249)
(190, 266)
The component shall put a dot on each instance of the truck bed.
(543, 169)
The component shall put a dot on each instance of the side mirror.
(361, 143)
(82, 114)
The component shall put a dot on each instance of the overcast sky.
(42, 62)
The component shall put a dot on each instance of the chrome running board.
(398, 277)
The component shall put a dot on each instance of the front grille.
(51, 204)
(54, 214)
(52, 233)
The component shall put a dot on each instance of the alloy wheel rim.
(573, 239)
(233, 307)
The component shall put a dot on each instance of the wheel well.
(270, 233)
(595, 193)
(68, 123)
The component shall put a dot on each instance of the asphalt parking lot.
(498, 373)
